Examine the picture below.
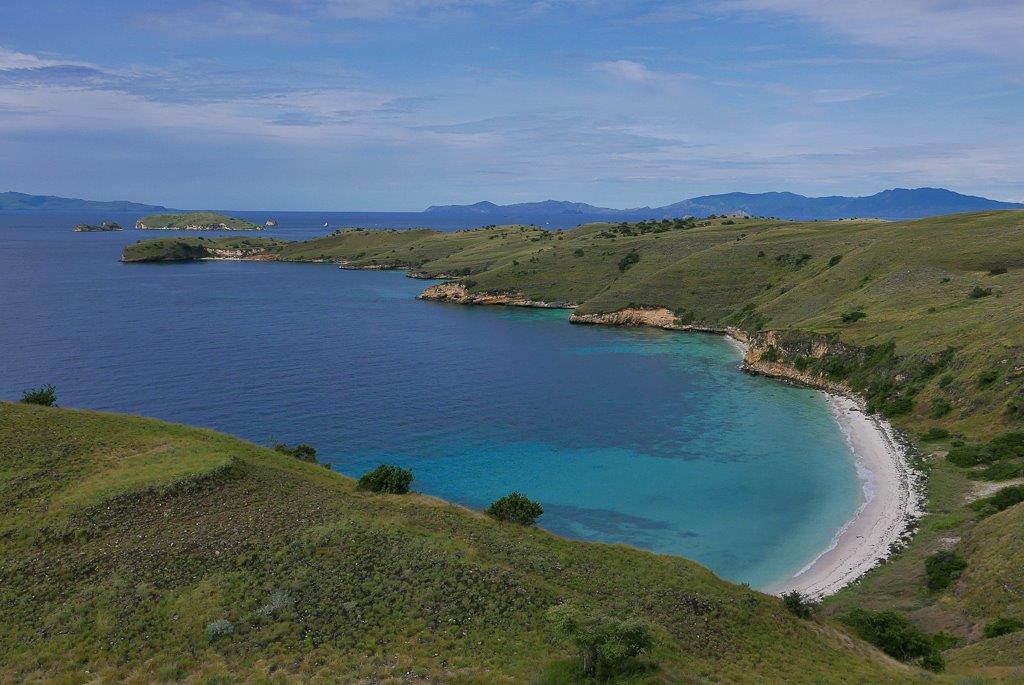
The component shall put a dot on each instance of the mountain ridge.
(894, 203)
(13, 201)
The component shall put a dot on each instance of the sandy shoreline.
(890, 502)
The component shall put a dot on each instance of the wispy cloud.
(986, 26)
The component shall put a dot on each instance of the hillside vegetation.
(930, 311)
(196, 221)
(144, 551)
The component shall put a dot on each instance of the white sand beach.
(890, 502)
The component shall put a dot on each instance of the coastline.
(890, 492)
(883, 522)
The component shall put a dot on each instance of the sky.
(358, 105)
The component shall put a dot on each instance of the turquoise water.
(643, 437)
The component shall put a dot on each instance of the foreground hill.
(136, 549)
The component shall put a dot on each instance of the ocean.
(643, 437)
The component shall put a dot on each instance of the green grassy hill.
(145, 551)
(205, 221)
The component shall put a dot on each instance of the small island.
(195, 221)
(93, 228)
(271, 223)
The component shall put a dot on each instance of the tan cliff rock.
(459, 294)
(658, 317)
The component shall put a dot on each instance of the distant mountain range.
(22, 201)
(899, 203)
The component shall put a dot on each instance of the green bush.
(302, 451)
(978, 292)
(386, 478)
(1003, 499)
(935, 433)
(516, 508)
(46, 396)
(798, 605)
(629, 260)
(896, 636)
(835, 260)
(853, 316)
(1003, 626)
(997, 271)
(942, 568)
(606, 644)
(987, 377)
(940, 408)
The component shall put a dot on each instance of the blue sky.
(398, 104)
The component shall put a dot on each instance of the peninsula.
(195, 221)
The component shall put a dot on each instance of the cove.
(643, 437)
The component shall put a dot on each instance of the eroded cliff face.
(459, 294)
(659, 317)
(773, 354)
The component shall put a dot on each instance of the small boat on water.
(325, 224)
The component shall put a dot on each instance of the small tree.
(853, 316)
(896, 636)
(629, 260)
(302, 451)
(1003, 626)
(516, 508)
(387, 479)
(798, 605)
(942, 568)
(46, 396)
(606, 644)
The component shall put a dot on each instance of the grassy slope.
(197, 219)
(124, 537)
(750, 274)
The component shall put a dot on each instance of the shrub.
(853, 316)
(835, 260)
(798, 605)
(770, 355)
(629, 260)
(935, 433)
(1003, 626)
(386, 478)
(606, 644)
(896, 636)
(1003, 499)
(987, 377)
(940, 408)
(978, 292)
(516, 508)
(302, 451)
(942, 568)
(578, 252)
(997, 271)
(219, 628)
(46, 396)
(946, 381)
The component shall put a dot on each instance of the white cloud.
(985, 26)
(9, 59)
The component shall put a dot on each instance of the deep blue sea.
(644, 437)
